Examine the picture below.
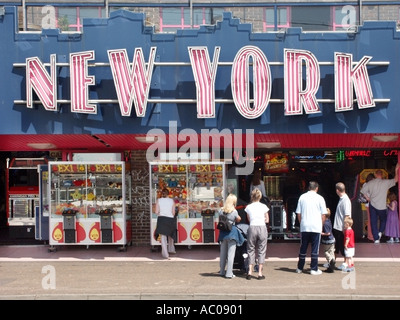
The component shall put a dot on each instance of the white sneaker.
(348, 269)
(396, 240)
(316, 273)
(342, 266)
(390, 240)
(299, 271)
(377, 241)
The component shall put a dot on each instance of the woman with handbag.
(229, 239)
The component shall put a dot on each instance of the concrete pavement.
(104, 272)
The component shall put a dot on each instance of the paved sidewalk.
(104, 272)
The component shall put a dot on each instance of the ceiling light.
(41, 146)
(147, 139)
(390, 138)
(268, 145)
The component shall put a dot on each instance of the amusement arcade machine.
(198, 191)
(274, 165)
(89, 204)
(22, 184)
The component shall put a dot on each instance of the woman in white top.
(257, 234)
(166, 224)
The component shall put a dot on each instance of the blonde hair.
(256, 195)
(348, 220)
(230, 203)
(328, 212)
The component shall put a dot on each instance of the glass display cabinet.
(198, 191)
(89, 203)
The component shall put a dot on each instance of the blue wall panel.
(126, 30)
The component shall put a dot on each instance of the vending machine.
(22, 187)
(89, 203)
(198, 191)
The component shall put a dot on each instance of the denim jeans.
(376, 214)
(307, 238)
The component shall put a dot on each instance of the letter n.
(38, 80)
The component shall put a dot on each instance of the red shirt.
(349, 234)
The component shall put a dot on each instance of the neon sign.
(369, 153)
(358, 153)
(389, 153)
(132, 81)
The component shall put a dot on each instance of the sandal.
(261, 277)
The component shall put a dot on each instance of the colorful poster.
(276, 162)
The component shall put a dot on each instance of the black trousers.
(339, 237)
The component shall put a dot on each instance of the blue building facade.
(172, 95)
(126, 30)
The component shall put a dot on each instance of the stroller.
(241, 260)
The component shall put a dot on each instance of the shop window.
(65, 18)
(35, 17)
(398, 19)
(344, 18)
(172, 19)
(71, 19)
(282, 18)
(311, 18)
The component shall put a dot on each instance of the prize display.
(89, 203)
(198, 192)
